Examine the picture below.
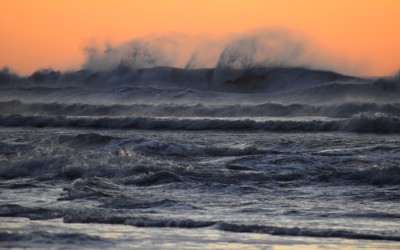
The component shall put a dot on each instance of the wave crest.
(370, 123)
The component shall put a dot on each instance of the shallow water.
(23, 233)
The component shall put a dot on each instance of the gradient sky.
(48, 33)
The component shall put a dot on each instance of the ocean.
(170, 158)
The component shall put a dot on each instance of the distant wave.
(221, 78)
(373, 123)
(165, 84)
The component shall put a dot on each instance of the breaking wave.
(342, 110)
(229, 227)
(79, 216)
(259, 48)
(372, 123)
(26, 240)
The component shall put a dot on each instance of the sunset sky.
(48, 33)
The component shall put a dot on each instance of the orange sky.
(48, 33)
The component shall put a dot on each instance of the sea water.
(162, 167)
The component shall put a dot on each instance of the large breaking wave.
(269, 47)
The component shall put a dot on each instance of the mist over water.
(260, 48)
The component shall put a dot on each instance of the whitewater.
(225, 157)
